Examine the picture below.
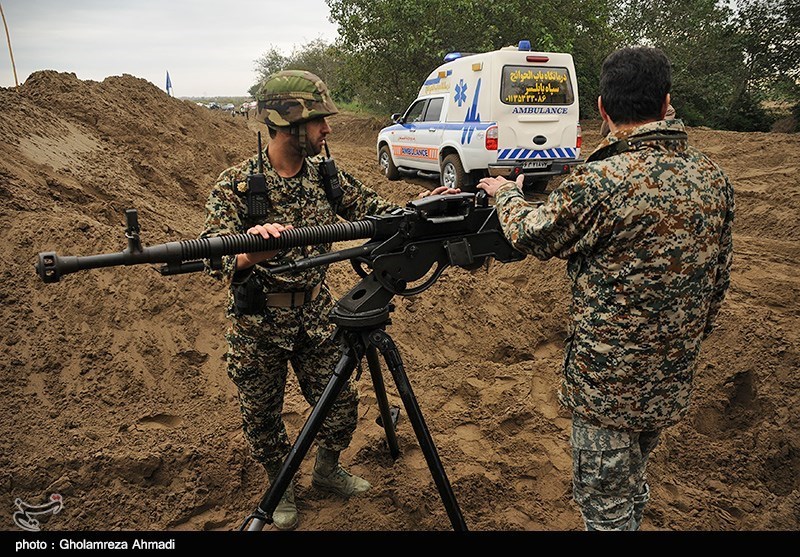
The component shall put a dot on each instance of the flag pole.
(10, 52)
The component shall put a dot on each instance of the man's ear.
(665, 106)
(602, 110)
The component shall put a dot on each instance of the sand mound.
(115, 389)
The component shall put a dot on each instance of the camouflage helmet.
(293, 97)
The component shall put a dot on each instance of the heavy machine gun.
(405, 254)
(441, 230)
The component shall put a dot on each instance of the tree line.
(736, 63)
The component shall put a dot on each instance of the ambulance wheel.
(453, 175)
(387, 164)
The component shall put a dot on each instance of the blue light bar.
(450, 56)
(524, 45)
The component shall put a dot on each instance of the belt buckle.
(304, 296)
(300, 298)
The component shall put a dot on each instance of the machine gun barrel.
(51, 267)
(458, 229)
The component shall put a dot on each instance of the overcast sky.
(208, 47)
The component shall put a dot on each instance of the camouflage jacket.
(299, 201)
(647, 235)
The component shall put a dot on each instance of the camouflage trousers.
(259, 370)
(608, 474)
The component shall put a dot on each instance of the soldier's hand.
(441, 190)
(266, 231)
(491, 184)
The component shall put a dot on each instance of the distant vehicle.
(228, 106)
(213, 106)
(502, 113)
(250, 105)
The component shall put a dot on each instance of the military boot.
(285, 515)
(329, 475)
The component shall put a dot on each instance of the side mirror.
(397, 118)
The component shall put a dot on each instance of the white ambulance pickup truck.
(502, 113)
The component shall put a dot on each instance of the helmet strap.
(299, 131)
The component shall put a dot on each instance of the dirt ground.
(114, 386)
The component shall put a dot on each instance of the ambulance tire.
(387, 164)
(453, 175)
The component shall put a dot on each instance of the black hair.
(634, 82)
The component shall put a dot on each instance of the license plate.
(530, 165)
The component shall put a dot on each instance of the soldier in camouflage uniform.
(284, 318)
(645, 226)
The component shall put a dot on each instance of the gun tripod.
(361, 318)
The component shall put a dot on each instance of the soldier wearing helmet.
(289, 100)
(280, 319)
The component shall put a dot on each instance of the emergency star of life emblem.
(461, 93)
(24, 517)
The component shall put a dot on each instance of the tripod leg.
(341, 374)
(383, 402)
(388, 348)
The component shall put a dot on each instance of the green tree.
(273, 60)
(700, 39)
(727, 57)
(769, 35)
(317, 56)
(390, 46)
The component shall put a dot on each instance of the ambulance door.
(539, 125)
(431, 132)
(413, 147)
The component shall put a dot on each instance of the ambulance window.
(434, 111)
(416, 111)
(536, 85)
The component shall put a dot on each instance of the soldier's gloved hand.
(266, 231)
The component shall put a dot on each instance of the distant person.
(646, 227)
(280, 319)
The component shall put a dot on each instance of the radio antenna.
(260, 156)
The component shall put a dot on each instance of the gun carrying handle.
(132, 230)
(442, 220)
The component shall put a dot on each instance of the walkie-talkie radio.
(256, 197)
(330, 177)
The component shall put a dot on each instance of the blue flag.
(169, 83)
